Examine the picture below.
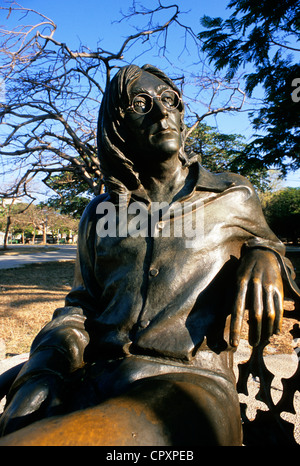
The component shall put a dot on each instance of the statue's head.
(141, 113)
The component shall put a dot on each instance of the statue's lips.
(166, 131)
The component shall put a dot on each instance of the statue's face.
(152, 121)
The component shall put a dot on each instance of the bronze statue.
(168, 260)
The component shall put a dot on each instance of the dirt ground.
(29, 296)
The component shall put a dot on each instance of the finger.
(270, 314)
(238, 314)
(278, 300)
(256, 313)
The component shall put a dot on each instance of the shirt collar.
(204, 181)
(215, 182)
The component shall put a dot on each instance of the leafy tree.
(27, 219)
(282, 211)
(10, 214)
(263, 36)
(72, 194)
(220, 152)
(53, 221)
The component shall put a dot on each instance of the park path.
(23, 255)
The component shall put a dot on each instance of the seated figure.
(169, 258)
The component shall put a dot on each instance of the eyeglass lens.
(143, 103)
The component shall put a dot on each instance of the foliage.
(72, 194)
(282, 211)
(29, 219)
(55, 222)
(263, 36)
(220, 152)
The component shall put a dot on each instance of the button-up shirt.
(164, 296)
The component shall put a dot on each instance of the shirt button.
(154, 272)
(144, 323)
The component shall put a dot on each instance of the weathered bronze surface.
(168, 259)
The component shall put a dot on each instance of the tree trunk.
(8, 222)
(44, 233)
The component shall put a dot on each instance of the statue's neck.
(163, 182)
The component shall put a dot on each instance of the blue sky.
(91, 21)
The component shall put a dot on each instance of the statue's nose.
(159, 109)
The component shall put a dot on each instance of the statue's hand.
(35, 399)
(260, 290)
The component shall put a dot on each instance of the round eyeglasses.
(143, 103)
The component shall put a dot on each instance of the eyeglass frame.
(131, 107)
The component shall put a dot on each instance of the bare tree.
(53, 93)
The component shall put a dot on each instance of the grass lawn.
(28, 297)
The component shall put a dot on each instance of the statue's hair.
(118, 170)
